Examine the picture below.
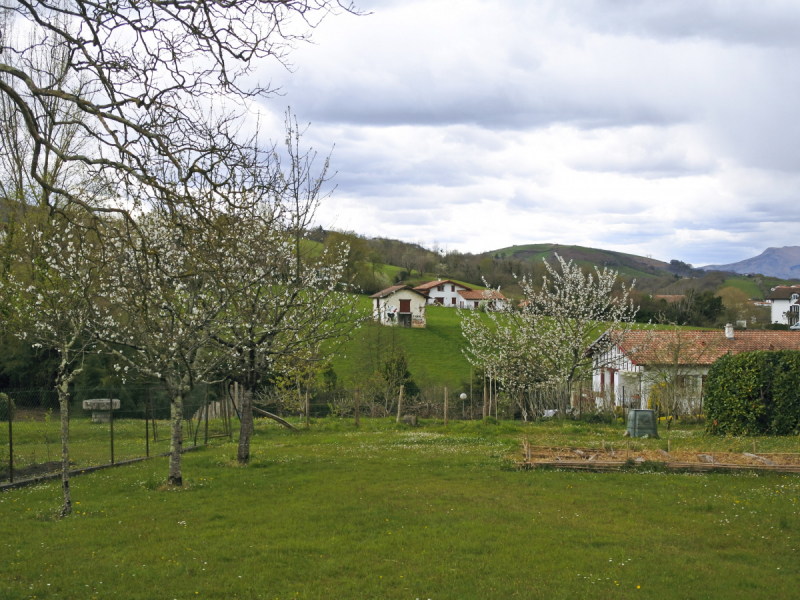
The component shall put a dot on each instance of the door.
(405, 319)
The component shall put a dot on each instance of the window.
(440, 288)
(453, 301)
(476, 304)
(453, 289)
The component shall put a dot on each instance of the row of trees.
(139, 220)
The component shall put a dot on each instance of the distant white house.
(785, 304)
(444, 292)
(399, 305)
(492, 299)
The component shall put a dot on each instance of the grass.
(434, 353)
(391, 512)
(746, 285)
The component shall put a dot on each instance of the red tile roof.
(391, 290)
(432, 284)
(481, 295)
(701, 347)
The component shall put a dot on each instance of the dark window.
(405, 306)
(453, 301)
(452, 288)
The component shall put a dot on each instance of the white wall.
(383, 307)
(450, 295)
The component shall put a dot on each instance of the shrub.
(4, 408)
(754, 393)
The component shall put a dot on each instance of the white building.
(626, 368)
(399, 305)
(492, 299)
(785, 304)
(444, 292)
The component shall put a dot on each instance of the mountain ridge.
(783, 262)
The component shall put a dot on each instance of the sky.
(666, 128)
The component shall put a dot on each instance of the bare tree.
(152, 82)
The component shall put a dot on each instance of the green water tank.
(642, 423)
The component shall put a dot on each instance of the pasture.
(389, 511)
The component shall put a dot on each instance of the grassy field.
(392, 512)
(434, 353)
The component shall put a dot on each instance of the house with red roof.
(446, 292)
(626, 365)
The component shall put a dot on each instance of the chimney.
(729, 331)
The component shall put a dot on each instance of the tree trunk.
(176, 442)
(63, 404)
(245, 425)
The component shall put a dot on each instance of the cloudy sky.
(658, 127)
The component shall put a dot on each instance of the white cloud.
(665, 128)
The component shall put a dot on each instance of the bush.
(4, 408)
(754, 393)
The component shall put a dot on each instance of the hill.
(783, 263)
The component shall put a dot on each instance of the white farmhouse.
(492, 299)
(444, 292)
(785, 304)
(399, 305)
(626, 367)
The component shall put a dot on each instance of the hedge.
(754, 393)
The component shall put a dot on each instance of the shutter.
(405, 306)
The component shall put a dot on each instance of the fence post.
(205, 443)
(10, 442)
(445, 407)
(308, 408)
(357, 424)
(147, 426)
(111, 421)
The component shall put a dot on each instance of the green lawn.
(391, 512)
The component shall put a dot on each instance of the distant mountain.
(775, 262)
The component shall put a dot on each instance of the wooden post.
(484, 395)
(627, 450)
(111, 421)
(308, 410)
(10, 442)
(205, 442)
(445, 407)
(669, 446)
(754, 446)
(399, 404)
(357, 408)
(471, 411)
(146, 431)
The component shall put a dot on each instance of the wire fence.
(106, 426)
(111, 425)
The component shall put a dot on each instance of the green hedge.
(754, 393)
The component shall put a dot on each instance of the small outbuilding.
(399, 305)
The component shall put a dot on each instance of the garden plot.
(623, 455)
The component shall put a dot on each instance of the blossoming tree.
(544, 340)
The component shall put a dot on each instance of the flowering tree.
(545, 339)
(158, 306)
(49, 296)
(286, 298)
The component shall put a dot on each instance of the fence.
(135, 425)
